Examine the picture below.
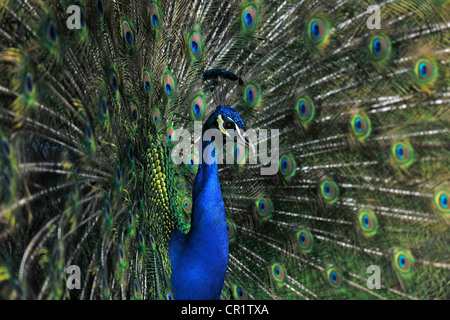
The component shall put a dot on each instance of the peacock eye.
(82, 19)
(318, 30)
(154, 16)
(29, 83)
(155, 20)
(250, 18)
(426, 71)
(100, 7)
(229, 125)
(51, 32)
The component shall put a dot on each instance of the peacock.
(336, 117)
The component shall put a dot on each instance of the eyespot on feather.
(192, 163)
(146, 82)
(403, 262)
(100, 8)
(250, 18)
(318, 30)
(239, 292)
(198, 108)
(51, 32)
(380, 47)
(361, 126)
(252, 95)
(334, 277)
(156, 117)
(181, 185)
(287, 166)
(231, 228)
(169, 135)
(440, 201)
(186, 204)
(330, 191)
(264, 207)
(368, 222)
(403, 154)
(305, 110)
(155, 16)
(169, 85)
(305, 240)
(426, 71)
(127, 34)
(195, 42)
(134, 114)
(278, 272)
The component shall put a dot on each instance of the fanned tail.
(89, 115)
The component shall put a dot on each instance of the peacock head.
(228, 121)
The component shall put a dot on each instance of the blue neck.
(199, 261)
(208, 210)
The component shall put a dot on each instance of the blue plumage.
(199, 258)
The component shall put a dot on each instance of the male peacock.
(87, 123)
